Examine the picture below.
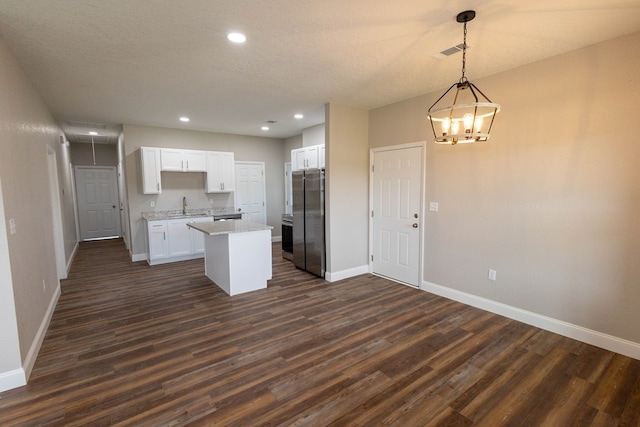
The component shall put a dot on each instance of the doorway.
(396, 209)
(97, 195)
(250, 191)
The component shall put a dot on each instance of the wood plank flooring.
(134, 345)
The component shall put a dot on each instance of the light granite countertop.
(227, 227)
(191, 213)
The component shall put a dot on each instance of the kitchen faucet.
(184, 205)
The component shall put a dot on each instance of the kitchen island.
(237, 254)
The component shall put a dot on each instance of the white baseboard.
(12, 379)
(138, 257)
(72, 257)
(345, 274)
(276, 238)
(589, 336)
(32, 354)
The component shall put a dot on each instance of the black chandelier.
(465, 114)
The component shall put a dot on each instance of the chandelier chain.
(464, 54)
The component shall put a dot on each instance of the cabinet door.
(172, 159)
(158, 243)
(179, 237)
(227, 171)
(214, 181)
(311, 157)
(221, 173)
(195, 161)
(150, 159)
(298, 159)
(197, 237)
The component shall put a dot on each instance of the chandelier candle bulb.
(468, 122)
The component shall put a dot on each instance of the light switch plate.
(433, 206)
(12, 226)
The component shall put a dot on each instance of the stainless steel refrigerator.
(308, 221)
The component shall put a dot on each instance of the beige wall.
(175, 185)
(27, 129)
(347, 189)
(82, 154)
(552, 200)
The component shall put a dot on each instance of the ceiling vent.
(452, 50)
(88, 125)
(271, 121)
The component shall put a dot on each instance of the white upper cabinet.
(150, 159)
(177, 160)
(196, 161)
(307, 157)
(221, 173)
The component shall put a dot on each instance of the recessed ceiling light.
(265, 128)
(184, 119)
(93, 133)
(237, 37)
(298, 116)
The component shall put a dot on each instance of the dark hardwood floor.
(136, 345)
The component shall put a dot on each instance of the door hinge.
(371, 258)
(371, 214)
(372, 168)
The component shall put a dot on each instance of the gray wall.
(28, 132)
(551, 201)
(347, 189)
(82, 154)
(175, 185)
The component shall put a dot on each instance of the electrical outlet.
(492, 274)
(152, 204)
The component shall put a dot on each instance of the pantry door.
(98, 205)
(396, 204)
(250, 191)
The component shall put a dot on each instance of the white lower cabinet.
(173, 240)
(179, 238)
(197, 237)
(158, 242)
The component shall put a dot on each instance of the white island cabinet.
(237, 255)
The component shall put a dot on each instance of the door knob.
(415, 215)
(239, 209)
(415, 225)
(114, 206)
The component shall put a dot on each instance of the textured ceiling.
(149, 62)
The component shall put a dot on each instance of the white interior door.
(98, 206)
(396, 222)
(250, 191)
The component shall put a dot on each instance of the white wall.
(31, 286)
(551, 201)
(191, 185)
